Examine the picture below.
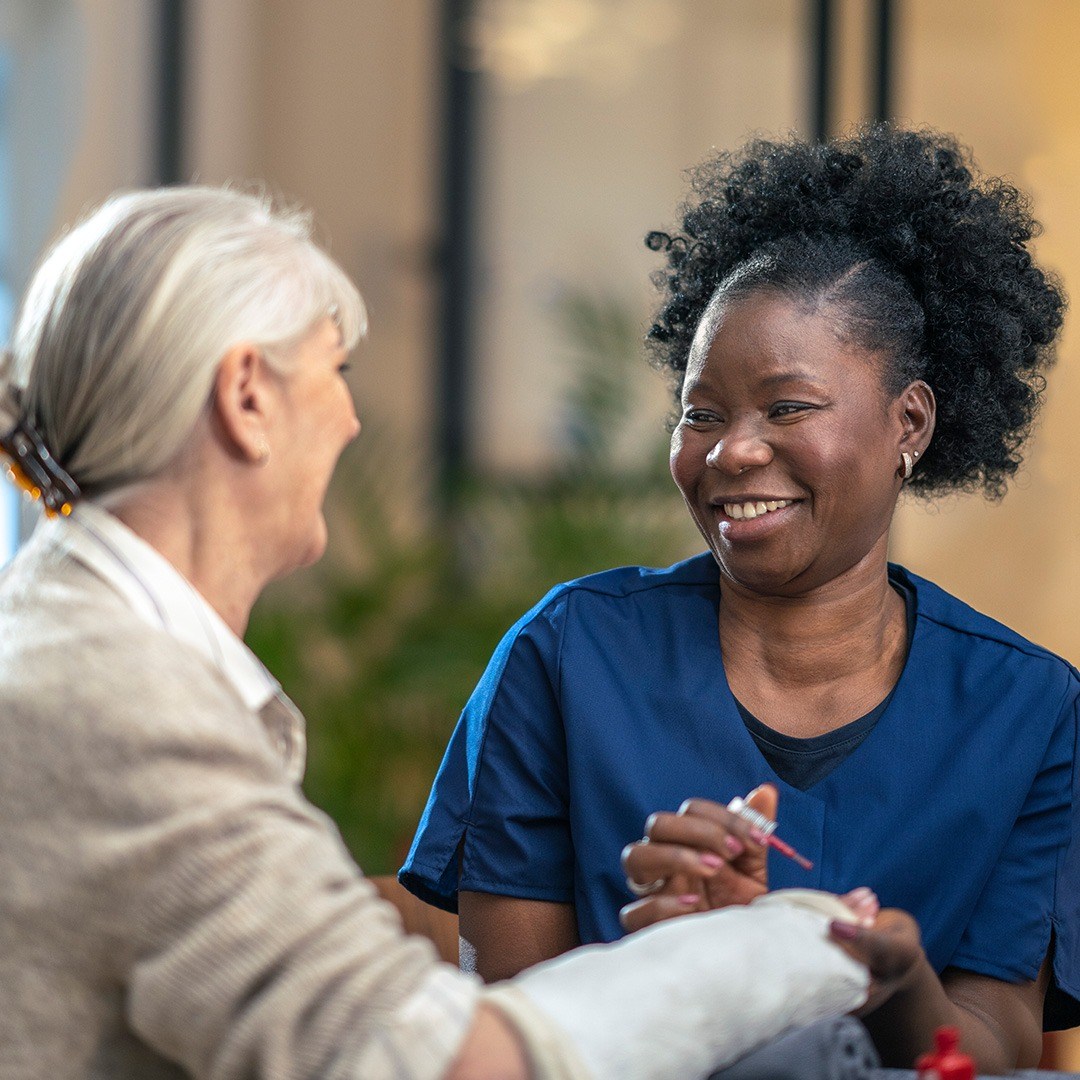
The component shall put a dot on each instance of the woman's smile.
(750, 519)
(787, 448)
(748, 509)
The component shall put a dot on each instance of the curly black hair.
(920, 258)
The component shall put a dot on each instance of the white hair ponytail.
(125, 322)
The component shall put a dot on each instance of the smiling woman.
(780, 410)
(843, 321)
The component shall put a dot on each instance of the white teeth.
(748, 510)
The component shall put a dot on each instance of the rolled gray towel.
(836, 1049)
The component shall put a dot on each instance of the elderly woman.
(169, 903)
(844, 322)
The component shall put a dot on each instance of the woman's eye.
(344, 368)
(700, 416)
(788, 408)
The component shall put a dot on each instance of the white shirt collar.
(158, 593)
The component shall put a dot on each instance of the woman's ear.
(244, 402)
(918, 416)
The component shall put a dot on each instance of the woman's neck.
(811, 663)
(194, 528)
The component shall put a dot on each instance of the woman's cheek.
(677, 459)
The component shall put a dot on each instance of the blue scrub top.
(609, 700)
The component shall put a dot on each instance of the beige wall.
(346, 123)
(584, 153)
(1001, 76)
(329, 103)
(114, 145)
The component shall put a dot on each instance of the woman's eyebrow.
(790, 377)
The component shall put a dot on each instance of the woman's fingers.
(656, 909)
(741, 843)
(649, 861)
(703, 856)
(864, 905)
(891, 949)
(706, 848)
(703, 824)
(765, 799)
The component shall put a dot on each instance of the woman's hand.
(705, 857)
(1000, 1023)
(891, 948)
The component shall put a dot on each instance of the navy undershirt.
(803, 762)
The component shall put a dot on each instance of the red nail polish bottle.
(945, 1062)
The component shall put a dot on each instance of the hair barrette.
(32, 468)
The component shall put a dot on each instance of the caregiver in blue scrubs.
(842, 321)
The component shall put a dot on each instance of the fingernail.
(734, 846)
(844, 931)
(712, 860)
(757, 835)
(689, 899)
(860, 894)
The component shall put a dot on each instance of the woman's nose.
(738, 451)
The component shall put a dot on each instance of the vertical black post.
(821, 28)
(172, 56)
(882, 59)
(456, 251)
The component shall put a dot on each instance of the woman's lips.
(748, 509)
(752, 517)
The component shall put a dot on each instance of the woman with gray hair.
(169, 903)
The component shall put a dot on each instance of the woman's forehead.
(773, 337)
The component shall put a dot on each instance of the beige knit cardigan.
(170, 905)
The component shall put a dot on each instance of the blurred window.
(42, 97)
(9, 497)
(589, 113)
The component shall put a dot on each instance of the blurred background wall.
(486, 171)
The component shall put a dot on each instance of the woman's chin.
(317, 547)
(308, 551)
(764, 577)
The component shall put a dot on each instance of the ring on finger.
(647, 889)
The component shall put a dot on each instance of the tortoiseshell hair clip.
(32, 468)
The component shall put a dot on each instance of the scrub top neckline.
(727, 711)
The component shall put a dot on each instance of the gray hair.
(126, 320)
